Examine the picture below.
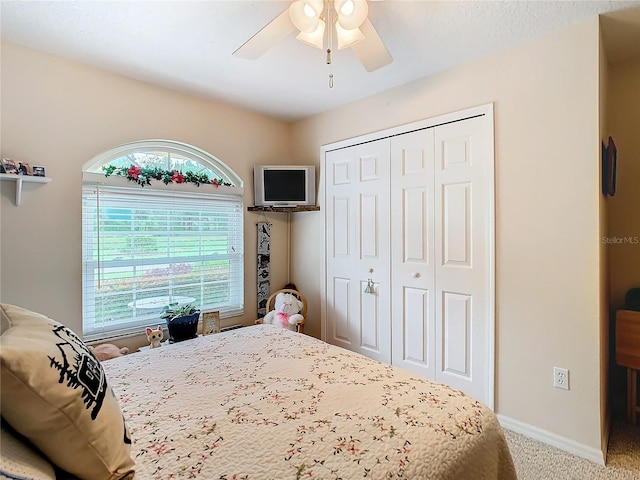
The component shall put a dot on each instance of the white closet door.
(463, 256)
(412, 253)
(358, 244)
(432, 257)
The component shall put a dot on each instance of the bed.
(263, 402)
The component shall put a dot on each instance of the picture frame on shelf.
(10, 166)
(210, 322)
(38, 171)
(24, 169)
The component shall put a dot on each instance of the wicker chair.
(271, 301)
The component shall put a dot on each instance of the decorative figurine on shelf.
(155, 337)
(286, 312)
(107, 351)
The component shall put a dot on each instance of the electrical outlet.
(561, 378)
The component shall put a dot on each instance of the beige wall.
(604, 270)
(59, 114)
(547, 215)
(624, 215)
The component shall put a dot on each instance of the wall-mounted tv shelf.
(19, 179)
(311, 208)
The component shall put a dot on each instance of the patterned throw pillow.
(55, 392)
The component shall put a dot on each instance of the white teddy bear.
(286, 313)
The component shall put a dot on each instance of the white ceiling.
(187, 45)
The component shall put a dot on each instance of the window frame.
(93, 179)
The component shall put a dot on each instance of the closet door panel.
(340, 227)
(370, 323)
(357, 192)
(372, 231)
(456, 224)
(417, 305)
(462, 153)
(342, 325)
(340, 312)
(456, 341)
(412, 226)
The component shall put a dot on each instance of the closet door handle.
(370, 288)
(416, 274)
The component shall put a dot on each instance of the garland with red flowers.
(143, 176)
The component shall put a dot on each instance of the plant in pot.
(182, 321)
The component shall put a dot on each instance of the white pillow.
(55, 393)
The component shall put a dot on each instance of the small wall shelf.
(19, 179)
(312, 208)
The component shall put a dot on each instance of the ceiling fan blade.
(271, 33)
(371, 52)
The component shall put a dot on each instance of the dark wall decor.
(264, 263)
(609, 165)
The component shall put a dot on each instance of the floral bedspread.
(263, 402)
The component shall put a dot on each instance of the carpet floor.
(537, 461)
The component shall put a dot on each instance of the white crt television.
(284, 185)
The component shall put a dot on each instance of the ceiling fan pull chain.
(330, 67)
(329, 45)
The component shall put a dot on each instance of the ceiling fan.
(316, 21)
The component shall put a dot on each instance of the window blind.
(144, 249)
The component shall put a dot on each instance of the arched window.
(162, 224)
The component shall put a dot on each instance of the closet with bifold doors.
(409, 248)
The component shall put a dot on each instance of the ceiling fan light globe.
(346, 8)
(298, 13)
(315, 5)
(347, 38)
(315, 38)
(351, 13)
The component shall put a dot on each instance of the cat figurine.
(155, 337)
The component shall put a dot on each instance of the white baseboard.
(589, 453)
